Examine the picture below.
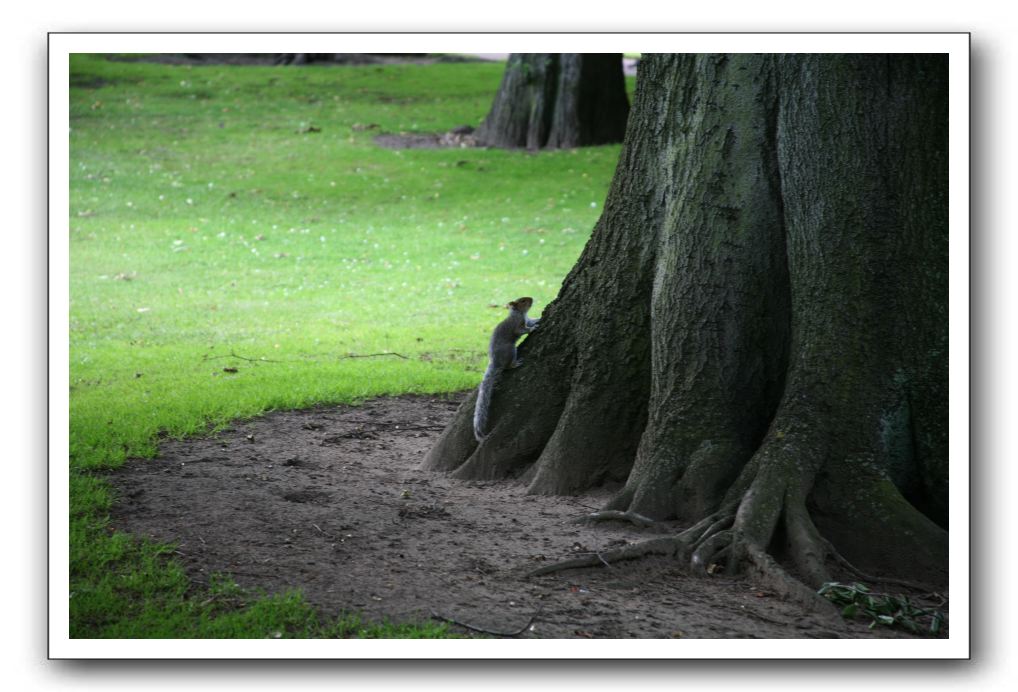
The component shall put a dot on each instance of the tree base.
(754, 339)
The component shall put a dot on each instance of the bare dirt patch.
(461, 137)
(331, 501)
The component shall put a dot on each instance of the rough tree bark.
(754, 340)
(558, 100)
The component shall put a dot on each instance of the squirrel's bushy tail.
(484, 402)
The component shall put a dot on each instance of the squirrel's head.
(521, 304)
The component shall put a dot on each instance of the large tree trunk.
(754, 339)
(558, 100)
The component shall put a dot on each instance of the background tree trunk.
(754, 339)
(302, 58)
(558, 100)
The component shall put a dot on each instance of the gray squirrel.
(501, 356)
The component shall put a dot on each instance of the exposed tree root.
(616, 515)
(669, 545)
(678, 545)
(872, 578)
(710, 549)
(710, 526)
(718, 539)
(807, 547)
(765, 569)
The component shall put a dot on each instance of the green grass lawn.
(242, 218)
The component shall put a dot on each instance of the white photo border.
(956, 44)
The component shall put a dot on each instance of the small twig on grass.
(240, 357)
(207, 357)
(496, 633)
(372, 355)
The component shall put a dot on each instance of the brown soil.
(460, 138)
(331, 501)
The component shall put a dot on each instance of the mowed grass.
(239, 244)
